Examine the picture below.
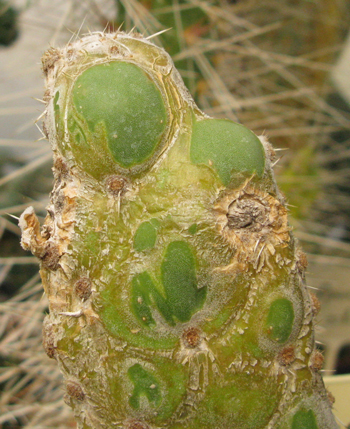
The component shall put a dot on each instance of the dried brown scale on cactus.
(316, 360)
(195, 312)
(75, 391)
(331, 398)
(48, 339)
(315, 303)
(191, 337)
(49, 59)
(82, 288)
(287, 356)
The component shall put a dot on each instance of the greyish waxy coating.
(177, 296)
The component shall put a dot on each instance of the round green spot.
(122, 98)
(193, 229)
(280, 319)
(304, 420)
(145, 236)
(179, 281)
(228, 147)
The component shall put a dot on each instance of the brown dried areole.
(270, 151)
(51, 257)
(47, 96)
(287, 356)
(49, 58)
(191, 337)
(316, 360)
(82, 288)
(61, 168)
(254, 223)
(301, 262)
(316, 305)
(75, 391)
(116, 185)
(44, 128)
(247, 213)
(114, 50)
(48, 339)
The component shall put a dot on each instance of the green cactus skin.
(176, 289)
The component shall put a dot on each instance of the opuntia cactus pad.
(176, 288)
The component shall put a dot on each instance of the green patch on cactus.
(182, 297)
(245, 344)
(71, 330)
(193, 229)
(155, 222)
(179, 281)
(248, 401)
(76, 130)
(145, 236)
(116, 323)
(280, 320)
(92, 242)
(175, 379)
(123, 99)
(304, 420)
(142, 287)
(145, 384)
(157, 390)
(228, 147)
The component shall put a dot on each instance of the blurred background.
(280, 67)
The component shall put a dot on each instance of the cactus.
(176, 288)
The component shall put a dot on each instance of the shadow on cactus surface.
(161, 319)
